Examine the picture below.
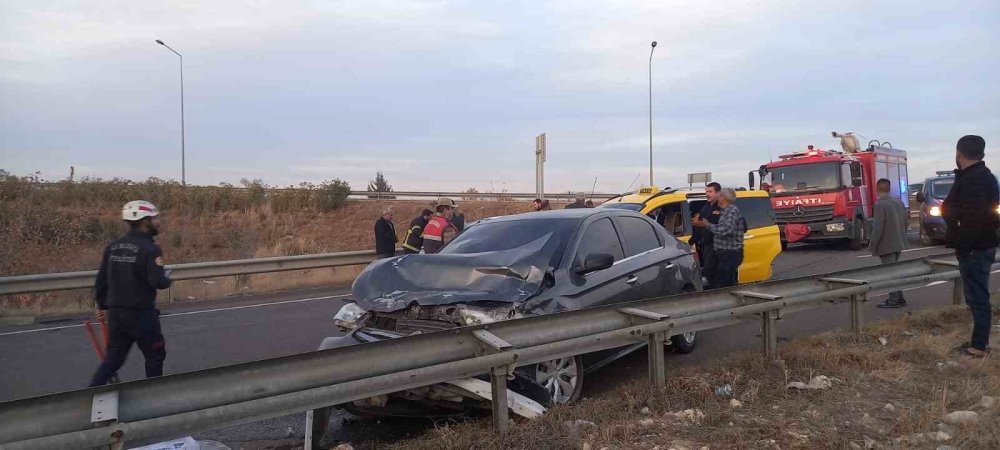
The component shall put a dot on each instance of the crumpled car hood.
(503, 276)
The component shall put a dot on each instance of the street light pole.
(183, 170)
(653, 47)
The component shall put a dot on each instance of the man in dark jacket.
(970, 211)
(701, 237)
(125, 291)
(888, 234)
(581, 202)
(385, 235)
(414, 240)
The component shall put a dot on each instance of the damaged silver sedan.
(509, 267)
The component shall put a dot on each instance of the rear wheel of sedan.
(683, 343)
(562, 378)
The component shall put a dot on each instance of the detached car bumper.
(442, 399)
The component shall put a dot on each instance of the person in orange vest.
(434, 231)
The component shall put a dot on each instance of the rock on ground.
(818, 382)
(961, 418)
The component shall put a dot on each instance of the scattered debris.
(869, 442)
(889, 408)
(883, 340)
(573, 427)
(855, 446)
(735, 404)
(923, 438)
(946, 447)
(818, 382)
(961, 418)
(987, 403)
(646, 411)
(724, 391)
(688, 415)
(908, 334)
(344, 446)
(587, 446)
(647, 423)
(801, 438)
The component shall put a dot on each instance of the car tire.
(684, 343)
(563, 378)
(858, 237)
(925, 239)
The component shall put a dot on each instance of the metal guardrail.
(156, 409)
(25, 284)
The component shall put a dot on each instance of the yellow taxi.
(675, 209)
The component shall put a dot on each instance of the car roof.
(575, 213)
(678, 194)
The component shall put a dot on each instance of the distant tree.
(332, 194)
(379, 184)
(473, 191)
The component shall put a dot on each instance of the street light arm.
(168, 48)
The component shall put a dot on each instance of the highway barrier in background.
(156, 409)
(26, 284)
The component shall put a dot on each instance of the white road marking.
(285, 302)
(905, 251)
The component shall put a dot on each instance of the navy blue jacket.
(971, 209)
(131, 272)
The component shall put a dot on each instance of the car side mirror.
(920, 197)
(596, 261)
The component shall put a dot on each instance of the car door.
(646, 263)
(605, 286)
(762, 241)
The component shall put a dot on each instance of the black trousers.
(709, 263)
(128, 326)
(727, 272)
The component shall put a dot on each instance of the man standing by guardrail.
(888, 234)
(970, 211)
(131, 272)
(385, 235)
(701, 238)
(727, 240)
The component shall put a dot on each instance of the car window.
(600, 237)
(757, 211)
(639, 235)
(626, 206)
(511, 234)
(671, 217)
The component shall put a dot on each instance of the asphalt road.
(57, 356)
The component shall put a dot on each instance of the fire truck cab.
(827, 195)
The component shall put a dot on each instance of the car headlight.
(348, 316)
(935, 211)
(834, 227)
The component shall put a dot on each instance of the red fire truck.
(826, 195)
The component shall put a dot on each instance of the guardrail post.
(958, 292)
(857, 313)
(657, 360)
(769, 322)
(498, 380)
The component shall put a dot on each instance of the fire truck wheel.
(858, 237)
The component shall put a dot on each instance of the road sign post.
(540, 166)
(701, 177)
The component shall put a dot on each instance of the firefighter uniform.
(131, 272)
(434, 233)
(414, 240)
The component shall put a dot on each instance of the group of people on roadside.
(718, 236)
(426, 231)
(579, 201)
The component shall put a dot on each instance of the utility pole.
(183, 170)
(653, 47)
(540, 166)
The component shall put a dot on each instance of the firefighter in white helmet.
(131, 272)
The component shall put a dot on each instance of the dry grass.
(65, 228)
(920, 375)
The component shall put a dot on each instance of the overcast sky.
(449, 95)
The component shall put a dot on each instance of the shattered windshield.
(553, 235)
(805, 178)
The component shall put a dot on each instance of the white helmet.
(138, 210)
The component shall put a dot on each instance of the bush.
(332, 194)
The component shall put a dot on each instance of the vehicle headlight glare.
(348, 316)
(935, 211)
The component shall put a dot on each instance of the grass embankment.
(916, 372)
(47, 228)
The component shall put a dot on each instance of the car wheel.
(858, 239)
(562, 378)
(683, 343)
(925, 239)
